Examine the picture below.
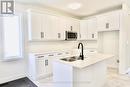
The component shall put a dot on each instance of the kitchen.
(43, 38)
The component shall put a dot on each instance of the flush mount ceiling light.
(74, 6)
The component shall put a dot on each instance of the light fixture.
(74, 6)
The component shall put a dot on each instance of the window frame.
(21, 39)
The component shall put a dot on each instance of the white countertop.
(93, 59)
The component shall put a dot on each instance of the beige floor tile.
(113, 80)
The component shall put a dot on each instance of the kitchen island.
(90, 72)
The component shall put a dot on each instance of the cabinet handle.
(59, 54)
(92, 35)
(118, 61)
(59, 35)
(50, 55)
(42, 34)
(71, 28)
(66, 52)
(40, 56)
(46, 62)
(107, 25)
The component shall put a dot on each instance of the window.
(12, 37)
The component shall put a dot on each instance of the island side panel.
(62, 75)
(83, 77)
(100, 74)
(91, 76)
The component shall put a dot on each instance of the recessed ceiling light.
(74, 6)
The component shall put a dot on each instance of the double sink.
(71, 59)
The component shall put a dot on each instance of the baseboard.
(11, 78)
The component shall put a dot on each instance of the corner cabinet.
(49, 27)
(88, 29)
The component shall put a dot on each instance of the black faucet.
(82, 50)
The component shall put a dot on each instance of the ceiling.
(88, 7)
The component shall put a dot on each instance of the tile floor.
(116, 80)
(113, 80)
(23, 82)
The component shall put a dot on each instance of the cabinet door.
(92, 29)
(83, 29)
(53, 28)
(49, 27)
(101, 23)
(68, 24)
(114, 21)
(40, 69)
(35, 24)
(57, 32)
(44, 31)
(61, 30)
(47, 65)
(109, 21)
(75, 25)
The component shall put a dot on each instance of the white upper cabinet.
(49, 27)
(88, 29)
(92, 29)
(83, 29)
(114, 20)
(35, 26)
(71, 24)
(101, 23)
(76, 25)
(109, 21)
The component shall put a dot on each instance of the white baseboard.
(11, 78)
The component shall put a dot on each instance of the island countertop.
(88, 61)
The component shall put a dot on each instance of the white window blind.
(12, 37)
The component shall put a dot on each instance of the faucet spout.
(82, 50)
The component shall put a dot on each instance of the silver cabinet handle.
(66, 52)
(50, 55)
(118, 61)
(40, 56)
(59, 35)
(71, 28)
(107, 25)
(92, 35)
(46, 62)
(59, 54)
(42, 34)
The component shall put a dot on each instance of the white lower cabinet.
(40, 65)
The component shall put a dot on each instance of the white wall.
(124, 42)
(10, 70)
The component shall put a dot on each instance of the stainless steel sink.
(71, 59)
